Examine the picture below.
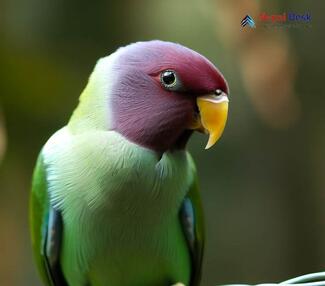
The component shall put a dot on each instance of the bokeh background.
(263, 185)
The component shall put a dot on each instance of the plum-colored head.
(158, 93)
(154, 98)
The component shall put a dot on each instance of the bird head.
(157, 93)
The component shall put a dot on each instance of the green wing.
(191, 217)
(46, 229)
(37, 217)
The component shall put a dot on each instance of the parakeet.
(115, 198)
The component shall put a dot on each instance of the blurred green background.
(263, 184)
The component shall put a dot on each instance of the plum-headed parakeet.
(115, 199)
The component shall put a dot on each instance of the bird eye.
(168, 78)
(218, 92)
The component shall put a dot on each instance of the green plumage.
(120, 226)
(120, 205)
(39, 204)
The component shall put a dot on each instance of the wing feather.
(46, 229)
(191, 217)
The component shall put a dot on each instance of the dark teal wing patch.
(52, 247)
(46, 230)
(191, 218)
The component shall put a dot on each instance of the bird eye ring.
(168, 78)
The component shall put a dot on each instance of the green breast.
(142, 255)
(120, 210)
